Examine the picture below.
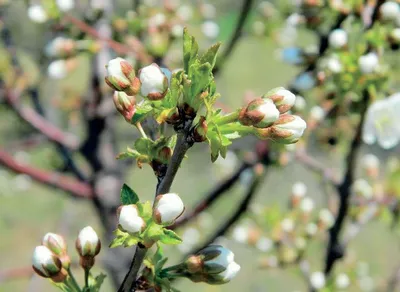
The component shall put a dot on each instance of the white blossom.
(57, 69)
(317, 280)
(65, 5)
(210, 29)
(337, 38)
(168, 208)
(368, 63)
(130, 220)
(153, 82)
(264, 244)
(37, 13)
(299, 189)
(342, 281)
(307, 205)
(88, 243)
(390, 10)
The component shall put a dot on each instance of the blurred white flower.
(317, 280)
(57, 69)
(395, 33)
(177, 30)
(370, 161)
(311, 229)
(390, 10)
(368, 63)
(307, 205)
(185, 12)
(299, 189)
(264, 244)
(334, 65)
(157, 19)
(300, 103)
(342, 281)
(317, 113)
(382, 122)
(210, 29)
(240, 233)
(37, 14)
(65, 5)
(362, 188)
(287, 225)
(208, 10)
(338, 38)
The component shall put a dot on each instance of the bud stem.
(243, 130)
(86, 278)
(229, 118)
(74, 283)
(140, 129)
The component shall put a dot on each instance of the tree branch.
(72, 186)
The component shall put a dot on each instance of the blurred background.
(29, 209)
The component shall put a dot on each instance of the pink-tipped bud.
(259, 113)
(167, 208)
(46, 264)
(129, 219)
(282, 98)
(121, 76)
(288, 129)
(154, 83)
(56, 243)
(125, 104)
(88, 246)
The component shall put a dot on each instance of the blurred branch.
(116, 46)
(39, 123)
(212, 196)
(241, 209)
(72, 186)
(246, 8)
(335, 249)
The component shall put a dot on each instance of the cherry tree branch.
(72, 186)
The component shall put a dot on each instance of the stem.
(130, 279)
(243, 130)
(141, 131)
(229, 118)
(86, 278)
(73, 281)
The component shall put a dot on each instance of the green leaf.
(131, 240)
(170, 237)
(95, 283)
(145, 210)
(190, 49)
(210, 56)
(143, 145)
(118, 241)
(142, 111)
(153, 231)
(128, 154)
(128, 196)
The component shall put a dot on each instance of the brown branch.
(72, 186)
(39, 123)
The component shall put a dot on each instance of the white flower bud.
(177, 30)
(240, 233)
(371, 165)
(342, 281)
(154, 83)
(57, 69)
(283, 99)
(390, 10)
(288, 129)
(300, 103)
(121, 76)
(368, 63)
(36, 13)
(333, 64)
(299, 189)
(213, 264)
(362, 188)
(317, 280)
(317, 113)
(129, 219)
(337, 38)
(167, 209)
(65, 5)
(88, 243)
(326, 218)
(46, 264)
(311, 229)
(210, 29)
(287, 225)
(264, 244)
(56, 243)
(260, 113)
(307, 205)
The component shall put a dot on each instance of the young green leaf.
(128, 196)
(170, 237)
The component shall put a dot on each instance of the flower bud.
(56, 243)
(362, 188)
(46, 264)
(129, 219)
(337, 38)
(299, 190)
(121, 76)
(60, 47)
(241, 233)
(334, 65)
(325, 219)
(210, 29)
(371, 165)
(317, 280)
(287, 225)
(88, 246)
(368, 63)
(125, 104)
(307, 205)
(260, 113)
(154, 83)
(57, 69)
(36, 13)
(213, 264)
(264, 244)
(390, 10)
(288, 129)
(311, 229)
(200, 131)
(282, 98)
(167, 208)
(65, 5)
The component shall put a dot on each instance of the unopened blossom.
(362, 188)
(382, 122)
(371, 163)
(121, 76)
(264, 244)
(260, 112)
(213, 264)
(88, 243)
(167, 208)
(129, 219)
(210, 29)
(317, 280)
(46, 264)
(390, 10)
(287, 129)
(326, 218)
(368, 63)
(395, 34)
(125, 104)
(154, 83)
(56, 243)
(317, 113)
(334, 65)
(307, 205)
(338, 38)
(240, 233)
(57, 69)
(342, 281)
(282, 98)
(37, 13)
(287, 225)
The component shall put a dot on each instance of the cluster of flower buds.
(267, 116)
(151, 83)
(88, 246)
(213, 265)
